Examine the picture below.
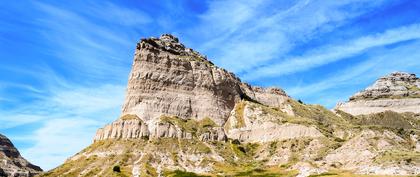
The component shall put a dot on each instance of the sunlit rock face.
(184, 114)
(398, 92)
(12, 163)
(169, 79)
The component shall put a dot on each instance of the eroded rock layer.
(12, 163)
(183, 114)
(398, 92)
(169, 79)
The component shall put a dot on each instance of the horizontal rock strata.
(360, 107)
(135, 128)
(398, 92)
(251, 122)
(169, 79)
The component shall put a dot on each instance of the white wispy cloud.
(377, 63)
(58, 139)
(332, 53)
(67, 117)
(119, 15)
(87, 47)
(65, 102)
(242, 36)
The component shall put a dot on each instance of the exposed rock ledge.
(360, 107)
(168, 78)
(398, 92)
(132, 127)
(251, 122)
(12, 163)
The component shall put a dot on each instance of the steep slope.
(183, 114)
(168, 78)
(12, 163)
(398, 92)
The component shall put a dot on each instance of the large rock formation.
(12, 163)
(182, 113)
(169, 79)
(398, 92)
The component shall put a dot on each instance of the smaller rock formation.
(398, 92)
(12, 163)
(132, 127)
(127, 127)
(252, 122)
(395, 85)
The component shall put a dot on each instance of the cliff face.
(169, 79)
(398, 92)
(181, 112)
(12, 163)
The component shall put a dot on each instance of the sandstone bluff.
(399, 92)
(12, 163)
(185, 116)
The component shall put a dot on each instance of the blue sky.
(64, 64)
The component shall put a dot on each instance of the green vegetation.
(325, 120)
(179, 173)
(195, 57)
(116, 168)
(129, 117)
(239, 114)
(346, 174)
(390, 119)
(195, 127)
(398, 156)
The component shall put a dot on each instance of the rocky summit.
(399, 92)
(12, 163)
(184, 116)
(169, 79)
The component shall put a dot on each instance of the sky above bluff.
(64, 65)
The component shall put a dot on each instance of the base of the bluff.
(321, 142)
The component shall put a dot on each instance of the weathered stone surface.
(359, 107)
(215, 134)
(169, 79)
(12, 163)
(135, 128)
(123, 129)
(398, 92)
(365, 153)
(251, 122)
(396, 84)
(185, 108)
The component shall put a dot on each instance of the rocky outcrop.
(183, 113)
(127, 127)
(12, 163)
(398, 92)
(251, 122)
(375, 152)
(132, 127)
(169, 79)
(359, 107)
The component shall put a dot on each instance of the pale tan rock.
(169, 79)
(398, 92)
(257, 125)
(123, 129)
(360, 107)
